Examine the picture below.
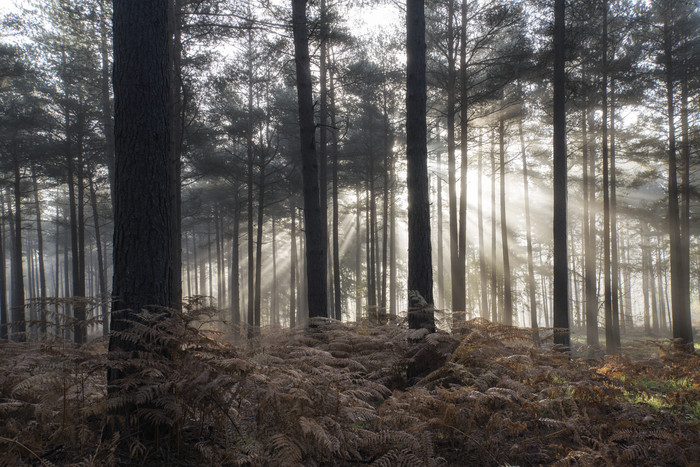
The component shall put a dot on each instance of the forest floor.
(353, 394)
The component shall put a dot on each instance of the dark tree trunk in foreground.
(313, 218)
(143, 223)
(561, 272)
(420, 272)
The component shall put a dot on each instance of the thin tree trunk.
(663, 326)
(457, 281)
(209, 265)
(234, 276)
(195, 265)
(105, 104)
(274, 300)
(508, 294)
(19, 328)
(494, 260)
(336, 220)
(217, 239)
(618, 313)
(482, 248)
(104, 302)
(528, 226)
(440, 253)
(323, 126)
(462, 240)
(646, 267)
(293, 271)
(591, 295)
(392, 246)
(40, 247)
(188, 265)
(4, 318)
(385, 205)
(358, 256)
(258, 247)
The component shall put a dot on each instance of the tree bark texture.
(143, 272)
(316, 244)
(561, 272)
(420, 271)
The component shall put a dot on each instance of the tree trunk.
(19, 327)
(336, 237)
(482, 248)
(104, 298)
(385, 205)
(508, 296)
(462, 240)
(258, 248)
(611, 336)
(143, 269)
(3, 273)
(315, 241)
(494, 260)
(420, 270)
(618, 315)
(680, 287)
(591, 295)
(40, 250)
(105, 104)
(274, 301)
(561, 271)
(293, 271)
(457, 281)
(234, 277)
(175, 107)
(440, 253)
(358, 258)
(392, 245)
(528, 227)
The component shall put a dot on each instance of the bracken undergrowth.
(348, 394)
